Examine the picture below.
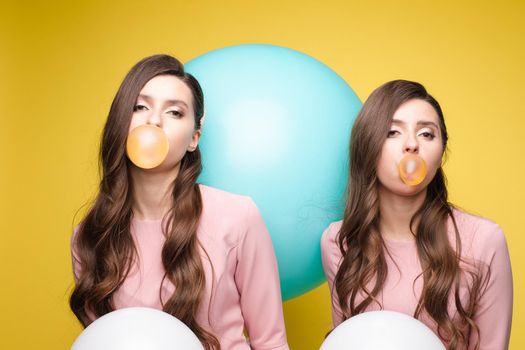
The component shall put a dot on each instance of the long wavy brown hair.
(104, 245)
(363, 269)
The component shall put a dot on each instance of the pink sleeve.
(331, 257)
(74, 256)
(494, 310)
(257, 280)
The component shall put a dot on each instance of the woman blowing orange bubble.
(155, 238)
(401, 245)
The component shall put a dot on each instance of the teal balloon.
(277, 129)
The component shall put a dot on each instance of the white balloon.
(382, 330)
(137, 328)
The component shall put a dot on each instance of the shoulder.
(224, 201)
(329, 237)
(329, 242)
(227, 215)
(480, 237)
(330, 253)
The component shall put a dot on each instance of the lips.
(412, 169)
(147, 146)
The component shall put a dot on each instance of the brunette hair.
(363, 268)
(104, 245)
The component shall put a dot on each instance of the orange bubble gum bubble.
(147, 146)
(412, 169)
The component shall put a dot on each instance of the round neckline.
(399, 243)
(146, 221)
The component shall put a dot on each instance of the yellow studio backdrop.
(61, 64)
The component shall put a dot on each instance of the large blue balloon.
(277, 129)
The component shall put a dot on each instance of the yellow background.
(61, 63)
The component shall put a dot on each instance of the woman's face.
(167, 102)
(415, 129)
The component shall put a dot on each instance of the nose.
(411, 144)
(155, 119)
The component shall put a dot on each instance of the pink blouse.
(482, 241)
(242, 290)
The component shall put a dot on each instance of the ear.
(444, 157)
(202, 120)
(194, 141)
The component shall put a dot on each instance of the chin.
(161, 168)
(403, 190)
(411, 191)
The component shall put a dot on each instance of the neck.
(396, 212)
(152, 192)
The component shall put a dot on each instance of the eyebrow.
(420, 122)
(149, 98)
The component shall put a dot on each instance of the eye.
(175, 113)
(393, 133)
(428, 135)
(139, 107)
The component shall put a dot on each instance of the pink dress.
(482, 241)
(243, 288)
